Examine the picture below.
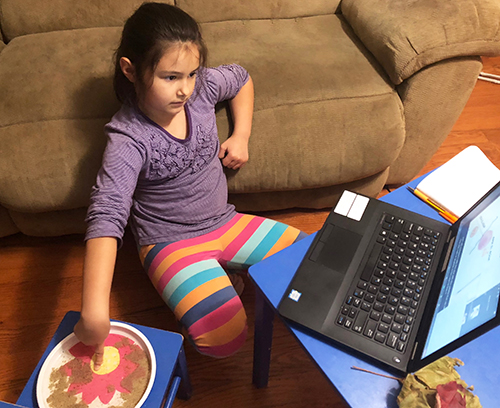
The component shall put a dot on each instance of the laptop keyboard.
(383, 305)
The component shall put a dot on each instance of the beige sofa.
(349, 94)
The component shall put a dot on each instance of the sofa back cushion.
(21, 17)
(223, 10)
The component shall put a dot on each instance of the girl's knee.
(223, 350)
(222, 332)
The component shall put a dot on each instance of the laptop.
(398, 288)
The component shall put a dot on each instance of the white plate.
(60, 355)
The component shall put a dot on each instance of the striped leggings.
(190, 275)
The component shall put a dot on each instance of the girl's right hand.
(93, 332)
(93, 327)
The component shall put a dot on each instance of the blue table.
(360, 390)
(171, 374)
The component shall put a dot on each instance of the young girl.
(163, 167)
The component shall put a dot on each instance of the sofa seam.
(271, 19)
(51, 120)
(326, 100)
(419, 55)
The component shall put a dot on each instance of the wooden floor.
(40, 280)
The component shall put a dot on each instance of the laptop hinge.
(414, 351)
(448, 253)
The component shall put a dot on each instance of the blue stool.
(171, 379)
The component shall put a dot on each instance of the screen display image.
(471, 288)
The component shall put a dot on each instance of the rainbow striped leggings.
(190, 275)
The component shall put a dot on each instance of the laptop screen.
(471, 287)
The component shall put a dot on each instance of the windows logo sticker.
(295, 295)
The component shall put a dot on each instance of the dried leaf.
(441, 371)
(471, 399)
(414, 394)
(419, 390)
(451, 395)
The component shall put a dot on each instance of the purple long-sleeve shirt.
(172, 189)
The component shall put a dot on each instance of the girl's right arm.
(110, 203)
(93, 327)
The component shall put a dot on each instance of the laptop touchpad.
(336, 248)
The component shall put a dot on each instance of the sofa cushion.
(405, 37)
(223, 10)
(50, 165)
(56, 97)
(65, 74)
(7, 226)
(52, 223)
(20, 17)
(321, 197)
(323, 113)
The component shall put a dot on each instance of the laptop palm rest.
(336, 249)
(328, 262)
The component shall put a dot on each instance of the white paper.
(459, 183)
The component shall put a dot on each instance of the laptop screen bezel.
(417, 361)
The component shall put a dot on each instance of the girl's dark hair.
(147, 34)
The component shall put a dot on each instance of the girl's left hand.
(234, 152)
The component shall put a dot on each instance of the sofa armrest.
(405, 36)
